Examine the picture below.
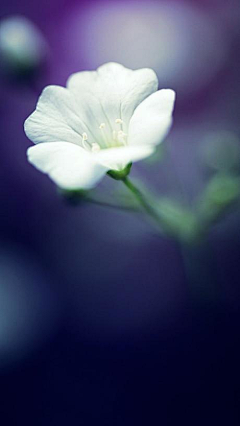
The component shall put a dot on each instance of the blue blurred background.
(99, 319)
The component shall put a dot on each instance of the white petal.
(118, 89)
(152, 119)
(57, 118)
(68, 165)
(118, 158)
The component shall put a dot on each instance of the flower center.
(108, 138)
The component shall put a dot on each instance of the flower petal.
(68, 165)
(118, 158)
(118, 89)
(57, 118)
(152, 119)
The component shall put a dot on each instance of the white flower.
(103, 120)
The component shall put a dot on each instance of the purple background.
(99, 321)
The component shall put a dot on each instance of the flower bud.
(22, 46)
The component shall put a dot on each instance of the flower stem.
(110, 205)
(142, 200)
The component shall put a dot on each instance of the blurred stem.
(196, 254)
(111, 205)
(146, 205)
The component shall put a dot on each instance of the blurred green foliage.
(221, 151)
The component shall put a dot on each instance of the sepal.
(120, 174)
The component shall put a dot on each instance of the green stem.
(110, 205)
(142, 200)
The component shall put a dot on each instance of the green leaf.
(221, 192)
(177, 220)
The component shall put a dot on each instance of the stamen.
(109, 139)
(119, 121)
(86, 145)
(104, 135)
(95, 147)
(121, 134)
(122, 137)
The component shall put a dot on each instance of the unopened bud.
(22, 46)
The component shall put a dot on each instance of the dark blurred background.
(101, 319)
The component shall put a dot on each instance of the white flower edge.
(72, 168)
(63, 114)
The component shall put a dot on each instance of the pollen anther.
(119, 121)
(121, 134)
(95, 147)
(102, 125)
(84, 136)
